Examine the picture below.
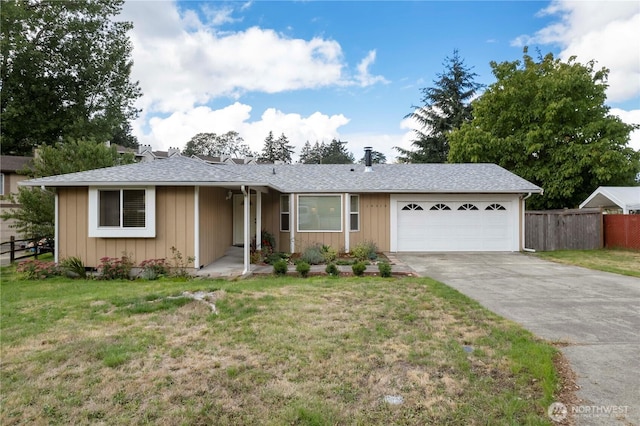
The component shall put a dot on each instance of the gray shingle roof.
(426, 178)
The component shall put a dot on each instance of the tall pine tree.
(447, 105)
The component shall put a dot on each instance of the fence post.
(12, 247)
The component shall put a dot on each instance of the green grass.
(316, 351)
(617, 261)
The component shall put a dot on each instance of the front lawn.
(279, 351)
(617, 261)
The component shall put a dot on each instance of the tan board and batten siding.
(174, 228)
(374, 226)
(216, 224)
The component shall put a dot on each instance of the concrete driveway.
(598, 313)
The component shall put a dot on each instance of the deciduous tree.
(230, 144)
(65, 73)
(547, 121)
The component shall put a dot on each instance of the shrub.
(280, 267)
(332, 270)
(37, 269)
(313, 255)
(366, 250)
(274, 257)
(358, 268)
(73, 267)
(268, 244)
(179, 264)
(385, 269)
(329, 254)
(303, 268)
(113, 268)
(154, 268)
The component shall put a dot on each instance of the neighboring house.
(201, 209)
(615, 199)
(10, 165)
(146, 153)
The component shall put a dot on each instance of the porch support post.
(292, 232)
(347, 221)
(246, 191)
(196, 227)
(258, 220)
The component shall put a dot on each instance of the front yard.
(623, 262)
(279, 351)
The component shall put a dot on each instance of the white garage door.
(460, 225)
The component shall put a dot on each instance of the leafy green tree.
(334, 152)
(214, 145)
(446, 106)
(376, 158)
(35, 217)
(65, 74)
(276, 150)
(547, 122)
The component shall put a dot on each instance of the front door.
(238, 218)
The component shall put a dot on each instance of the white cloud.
(363, 77)
(176, 129)
(630, 117)
(603, 31)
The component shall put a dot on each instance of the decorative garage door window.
(440, 206)
(412, 206)
(467, 207)
(495, 207)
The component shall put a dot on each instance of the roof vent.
(367, 159)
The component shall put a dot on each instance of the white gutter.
(247, 242)
(523, 225)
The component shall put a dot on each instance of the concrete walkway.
(597, 313)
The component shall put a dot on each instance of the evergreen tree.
(283, 149)
(376, 158)
(334, 152)
(269, 149)
(446, 107)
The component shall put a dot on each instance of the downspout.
(247, 213)
(56, 232)
(523, 225)
(196, 226)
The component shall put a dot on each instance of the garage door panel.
(468, 225)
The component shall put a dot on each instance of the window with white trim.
(284, 213)
(320, 213)
(122, 213)
(354, 213)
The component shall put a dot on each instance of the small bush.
(113, 268)
(303, 268)
(274, 257)
(332, 270)
(37, 269)
(358, 268)
(366, 250)
(313, 255)
(385, 269)
(73, 267)
(280, 267)
(154, 268)
(329, 253)
(180, 264)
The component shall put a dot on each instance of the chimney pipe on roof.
(367, 159)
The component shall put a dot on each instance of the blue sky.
(316, 70)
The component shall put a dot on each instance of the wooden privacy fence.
(622, 231)
(577, 229)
